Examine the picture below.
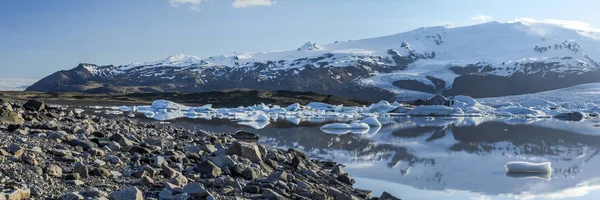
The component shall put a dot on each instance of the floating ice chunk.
(371, 121)
(504, 114)
(436, 110)
(78, 110)
(132, 115)
(528, 167)
(164, 104)
(293, 107)
(470, 105)
(258, 117)
(539, 103)
(522, 111)
(320, 106)
(126, 108)
(381, 107)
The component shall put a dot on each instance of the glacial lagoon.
(437, 157)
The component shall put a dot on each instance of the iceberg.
(528, 167)
(164, 104)
(371, 121)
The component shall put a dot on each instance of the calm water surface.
(446, 158)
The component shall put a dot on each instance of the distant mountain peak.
(309, 46)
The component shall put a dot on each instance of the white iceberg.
(528, 167)
(164, 104)
(521, 111)
(256, 117)
(371, 121)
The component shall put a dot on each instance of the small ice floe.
(528, 167)
(371, 121)
(164, 104)
(78, 110)
(256, 117)
(132, 115)
(95, 107)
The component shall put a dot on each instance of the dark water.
(446, 158)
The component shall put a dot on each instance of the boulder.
(387, 196)
(34, 105)
(131, 193)
(81, 169)
(196, 189)
(19, 194)
(208, 169)
(246, 150)
(246, 136)
(10, 117)
(53, 170)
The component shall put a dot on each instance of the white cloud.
(194, 4)
(482, 18)
(577, 25)
(249, 3)
(11, 84)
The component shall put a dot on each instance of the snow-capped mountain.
(490, 59)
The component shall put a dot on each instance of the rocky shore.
(48, 153)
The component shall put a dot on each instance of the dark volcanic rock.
(34, 105)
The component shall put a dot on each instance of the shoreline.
(70, 155)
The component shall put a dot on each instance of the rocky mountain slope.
(484, 60)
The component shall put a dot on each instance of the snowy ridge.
(424, 55)
(498, 44)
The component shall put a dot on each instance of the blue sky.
(38, 37)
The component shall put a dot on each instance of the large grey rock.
(387, 196)
(71, 196)
(271, 195)
(10, 117)
(53, 170)
(81, 169)
(196, 189)
(85, 144)
(208, 169)
(223, 161)
(19, 194)
(131, 193)
(246, 150)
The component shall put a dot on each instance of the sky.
(39, 37)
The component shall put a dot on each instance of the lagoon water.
(444, 157)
